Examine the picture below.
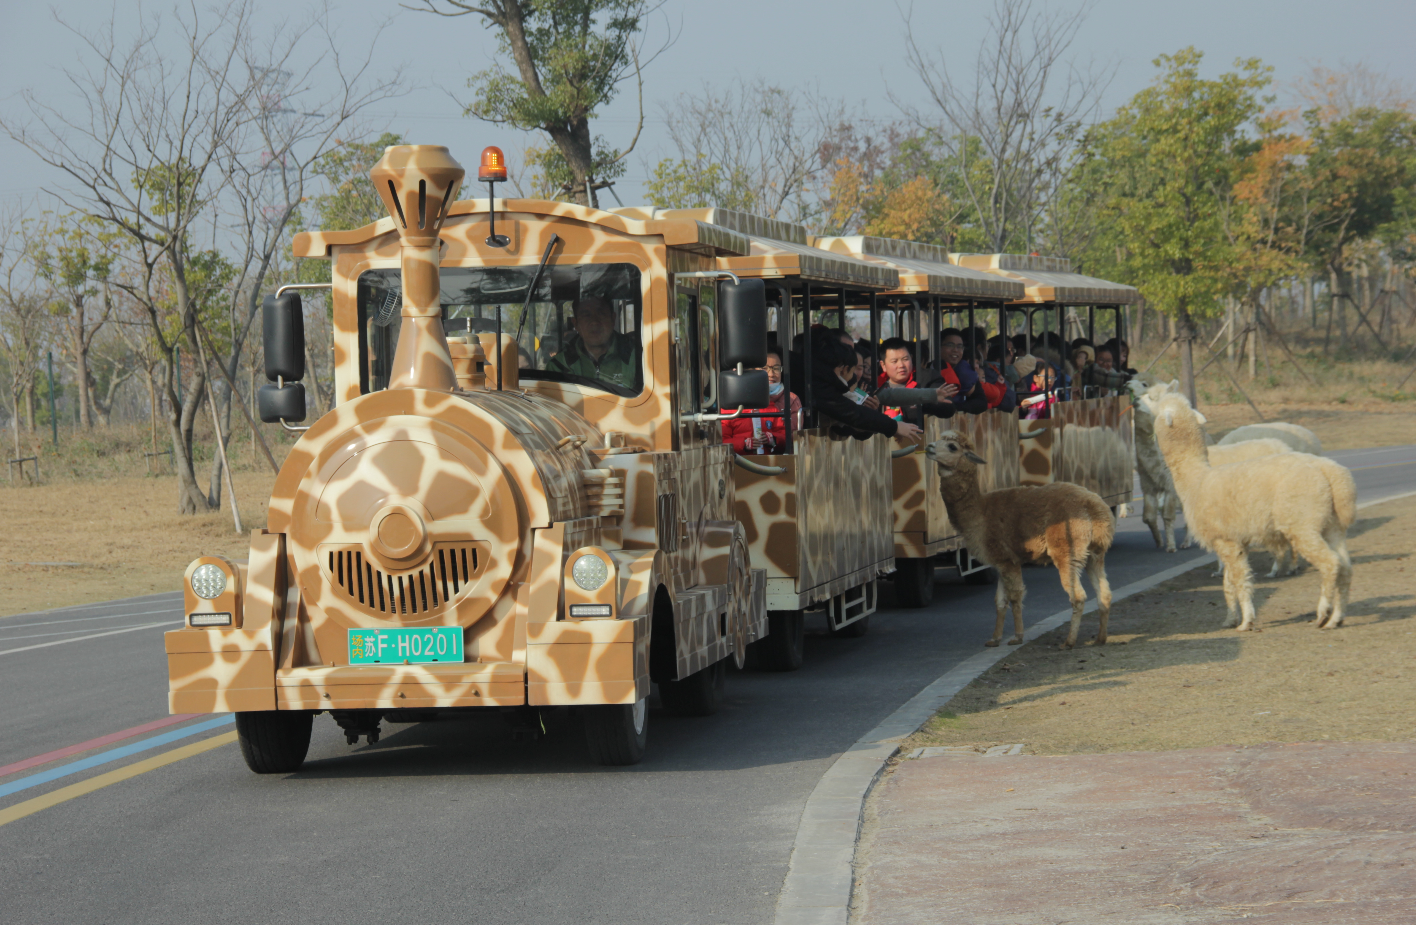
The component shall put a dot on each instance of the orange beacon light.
(491, 172)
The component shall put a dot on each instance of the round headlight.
(208, 582)
(590, 572)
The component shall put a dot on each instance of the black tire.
(984, 576)
(699, 694)
(914, 582)
(852, 630)
(616, 733)
(274, 741)
(784, 645)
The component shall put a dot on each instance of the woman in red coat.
(751, 436)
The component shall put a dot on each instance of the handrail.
(757, 468)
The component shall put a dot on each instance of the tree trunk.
(1229, 331)
(29, 404)
(1310, 305)
(1187, 355)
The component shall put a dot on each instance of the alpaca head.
(954, 454)
(1176, 423)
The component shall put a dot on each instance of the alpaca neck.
(1185, 454)
(964, 502)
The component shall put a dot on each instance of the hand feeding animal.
(1288, 499)
(1062, 523)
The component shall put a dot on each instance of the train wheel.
(617, 733)
(699, 694)
(782, 649)
(914, 582)
(274, 741)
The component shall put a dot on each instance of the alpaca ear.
(1169, 417)
(970, 454)
(1202, 419)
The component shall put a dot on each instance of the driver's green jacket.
(618, 365)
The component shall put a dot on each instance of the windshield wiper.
(530, 294)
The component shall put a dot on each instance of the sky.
(851, 51)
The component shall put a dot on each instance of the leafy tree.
(1169, 159)
(681, 184)
(570, 57)
(351, 201)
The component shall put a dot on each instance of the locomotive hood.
(412, 507)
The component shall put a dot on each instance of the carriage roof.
(925, 268)
(1050, 279)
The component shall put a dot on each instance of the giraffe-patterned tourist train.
(521, 498)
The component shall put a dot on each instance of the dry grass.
(123, 533)
(1171, 678)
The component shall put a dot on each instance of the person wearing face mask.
(750, 436)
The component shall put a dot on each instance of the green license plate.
(414, 645)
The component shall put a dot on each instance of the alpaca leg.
(1167, 515)
(1071, 575)
(1238, 587)
(1284, 562)
(1150, 511)
(1338, 542)
(1096, 574)
(1010, 585)
(1325, 559)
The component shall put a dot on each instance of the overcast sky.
(849, 50)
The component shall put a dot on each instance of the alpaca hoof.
(1331, 623)
(1170, 548)
(1015, 641)
(1101, 639)
(1064, 645)
(1229, 624)
(992, 643)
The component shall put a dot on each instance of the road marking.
(107, 616)
(83, 764)
(121, 602)
(60, 642)
(16, 767)
(64, 794)
(48, 635)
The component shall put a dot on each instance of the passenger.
(898, 389)
(996, 387)
(599, 352)
(765, 435)
(1121, 354)
(833, 364)
(1039, 406)
(782, 399)
(1103, 373)
(1002, 351)
(1083, 355)
(955, 370)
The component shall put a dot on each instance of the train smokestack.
(418, 183)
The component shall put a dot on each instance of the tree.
(570, 58)
(1170, 158)
(754, 146)
(22, 322)
(74, 254)
(1014, 130)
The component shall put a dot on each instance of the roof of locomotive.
(780, 249)
(1050, 279)
(925, 267)
(677, 231)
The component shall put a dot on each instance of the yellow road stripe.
(63, 794)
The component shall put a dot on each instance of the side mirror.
(276, 404)
(748, 389)
(283, 332)
(742, 325)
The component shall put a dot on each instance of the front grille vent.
(452, 569)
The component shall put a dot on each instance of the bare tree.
(1014, 127)
(22, 321)
(760, 145)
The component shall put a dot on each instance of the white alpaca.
(1299, 438)
(1157, 490)
(1287, 498)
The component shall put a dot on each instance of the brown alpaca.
(1061, 523)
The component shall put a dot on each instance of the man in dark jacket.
(832, 363)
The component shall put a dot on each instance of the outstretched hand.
(906, 430)
(947, 391)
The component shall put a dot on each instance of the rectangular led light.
(591, 610)
(210, 619)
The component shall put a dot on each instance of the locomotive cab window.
(583, 327)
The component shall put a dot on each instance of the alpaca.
(1287, 498)
(1301, 439)
(1064, 523)
(1157, 490)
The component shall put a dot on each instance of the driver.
(600, 352)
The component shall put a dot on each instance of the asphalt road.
(451, 821)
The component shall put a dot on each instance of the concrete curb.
(821, 874)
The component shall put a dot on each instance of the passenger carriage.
(1088, 438)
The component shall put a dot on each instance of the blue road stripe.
(93, 761)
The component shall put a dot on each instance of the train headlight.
(208, 582)
(590, 572)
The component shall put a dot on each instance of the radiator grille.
(452, 570)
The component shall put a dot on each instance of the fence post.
(53, 416)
